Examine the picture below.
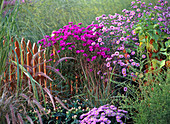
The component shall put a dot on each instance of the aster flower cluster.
(77, 40)
(114, 39)
(105, 114)
(120, 33)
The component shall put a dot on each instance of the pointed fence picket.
(34, 61)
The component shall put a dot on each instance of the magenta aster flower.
(63, 48)
(69, 48)
(78, 51)
(52, 54)
(85, 54)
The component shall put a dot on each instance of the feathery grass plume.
(14, 108)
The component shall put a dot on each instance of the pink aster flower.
(143, 56)
(124, 75)
(110, 68)
(133, 32)
(133, 63)
(117, 42)
(138, 10)
(155, 7)
(125, 89)
(122, 38)
(121, 56)
(108, 64)
(133, 53)
(116, 53)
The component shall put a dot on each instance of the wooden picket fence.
(34, 60)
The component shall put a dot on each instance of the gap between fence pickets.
(28, 51)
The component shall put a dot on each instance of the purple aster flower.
(133, 2)
(137, 64)
(98, 72)
(160, 19)
(123, 70)
(132, 74)
(162, 4)
(150, 4)
(133, 32)
(122, 64)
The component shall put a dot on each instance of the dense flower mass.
(114, 39)
(104, 115)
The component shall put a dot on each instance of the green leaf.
(155, 63)
(162, 63)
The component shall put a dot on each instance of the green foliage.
(61, 115)
(39, 18)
